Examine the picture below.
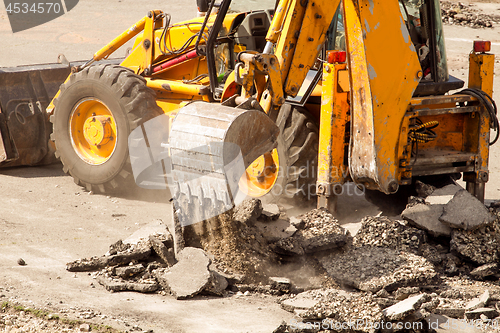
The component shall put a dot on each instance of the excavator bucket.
(212, 145)
(209, 146)
(25, 93)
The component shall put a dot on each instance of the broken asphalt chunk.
(270, 212)
(128, 271)
(443, 195)
(401, 310)
(303, 301)
(338, 306)
(465, 212)
(280, 284)
(217, 284)
(476, 314)
(248, 211)
(163, 245)
(191, 275)
(96, 263)
(484, 271)
(120, 285)
(479, 302)
(380, 231)
(373, 268)
(480, 246)
(426, 217)
(321, 232)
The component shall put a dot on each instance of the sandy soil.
(48, 220)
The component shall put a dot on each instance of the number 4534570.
(36, 8)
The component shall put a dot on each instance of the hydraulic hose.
(490, 106)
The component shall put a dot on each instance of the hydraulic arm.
(392, 136)
(381, 84)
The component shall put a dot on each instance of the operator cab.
(424, 23)
(422, 19)
(248, 32)
(425, 27)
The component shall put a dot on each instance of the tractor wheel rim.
(261, 175)
(93, 131)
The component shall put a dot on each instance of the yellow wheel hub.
(93, 131)
(97, 130)
(261, 175)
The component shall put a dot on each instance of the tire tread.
(139, 103)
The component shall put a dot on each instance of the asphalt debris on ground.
(466, 14)
(395, 271)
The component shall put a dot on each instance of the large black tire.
(130, 102)
(298, 157)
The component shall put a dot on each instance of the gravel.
(380, 231)
(15, 318)
(386, 262)
(373, 268)
(336, 307)
(480, 246)
(459, 13)
(320, 231)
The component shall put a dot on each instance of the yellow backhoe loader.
(313, 93)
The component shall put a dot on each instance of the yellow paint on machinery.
(375, 126)
(332, 172)
(382, 84)
(481, 68)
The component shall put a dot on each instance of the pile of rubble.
(315, 231)
(149, 265)
(434, 270)
(436, 266)
(239, 255)
(460, 13)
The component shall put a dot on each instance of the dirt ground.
(48, 220)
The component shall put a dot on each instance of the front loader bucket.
(25, 93)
